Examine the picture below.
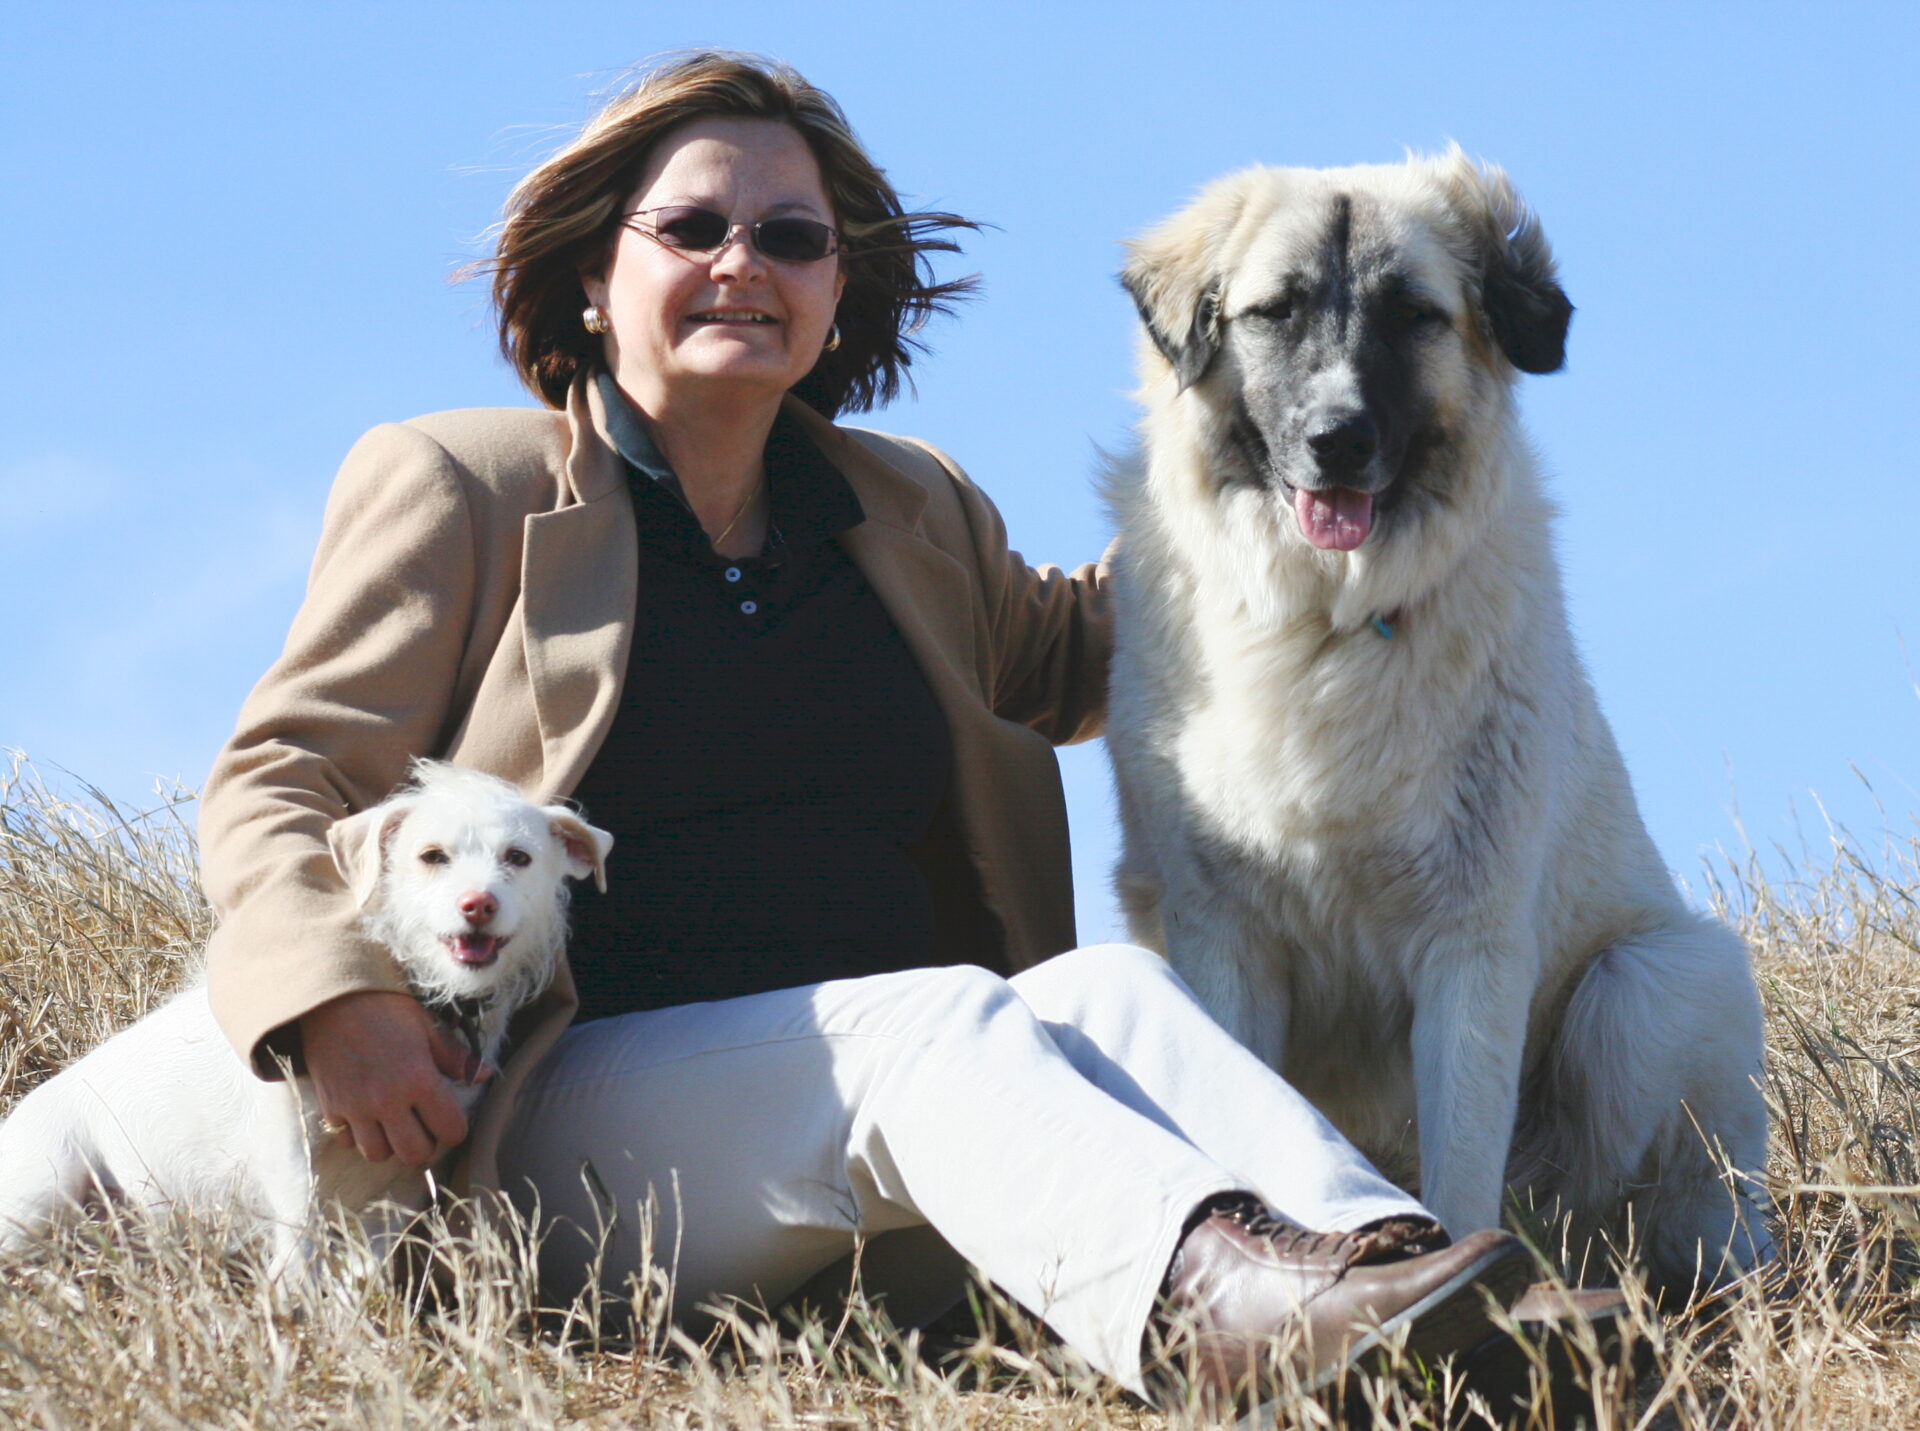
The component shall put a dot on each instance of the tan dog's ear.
(359, 845)
(1173, 275)
(1183, 323)
(1526, 310)
(586, 845)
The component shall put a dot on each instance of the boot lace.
(1394, 1239)
(1288, 1238)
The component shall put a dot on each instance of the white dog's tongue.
(475, 948)
(1335, 520)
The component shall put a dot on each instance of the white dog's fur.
(165, 1116)
(1372, 812)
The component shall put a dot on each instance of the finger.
(412, 1143)
(441, 1116)
(371, 1140)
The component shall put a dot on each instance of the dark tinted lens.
(798, 240)
(690, 228)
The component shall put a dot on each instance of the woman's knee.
(924, 1004)
(964, 991)
(1094, 975)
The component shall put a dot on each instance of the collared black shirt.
(775, 757)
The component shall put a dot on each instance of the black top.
(775, 756)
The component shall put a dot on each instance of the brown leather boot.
(1251, 1297)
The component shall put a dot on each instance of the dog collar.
(1383, 623)
(465, 1015)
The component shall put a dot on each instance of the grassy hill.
(101, 916)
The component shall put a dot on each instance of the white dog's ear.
(586, 845)
(359, 845)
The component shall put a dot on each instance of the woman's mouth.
(738, 316)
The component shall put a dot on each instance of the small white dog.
(464, 881)
(1374, 815)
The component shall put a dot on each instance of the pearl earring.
(594, 319)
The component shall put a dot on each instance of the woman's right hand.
(381, 1066)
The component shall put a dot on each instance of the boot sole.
(1563, 1353)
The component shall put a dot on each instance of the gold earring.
(594, 319)
(833, 339)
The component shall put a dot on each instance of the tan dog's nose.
(477, 907)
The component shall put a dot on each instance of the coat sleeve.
(363, 686)
(1050, 631)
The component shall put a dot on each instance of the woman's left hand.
(381, 1066)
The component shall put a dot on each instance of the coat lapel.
(579, 577)
(927, 593)
(581, 571)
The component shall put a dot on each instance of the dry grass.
(100, 914)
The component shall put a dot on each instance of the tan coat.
(472, 599)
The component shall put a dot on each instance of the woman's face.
(732, 323)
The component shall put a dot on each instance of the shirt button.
(733, 573)
(749, 607)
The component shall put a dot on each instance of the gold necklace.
(728, 528)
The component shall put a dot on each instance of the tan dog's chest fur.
(1373, 813)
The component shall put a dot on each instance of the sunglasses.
(697, 230)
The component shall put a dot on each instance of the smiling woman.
(705, 340)
(794, 669)
(562, 221)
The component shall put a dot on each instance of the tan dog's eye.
(433, 855)
(519, 859)
(1412, 313)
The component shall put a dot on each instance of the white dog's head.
(464, 880)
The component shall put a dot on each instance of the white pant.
(1057, 1129)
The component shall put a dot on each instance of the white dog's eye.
(433, 855)
(519, 859)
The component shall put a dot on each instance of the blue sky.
(229, 230)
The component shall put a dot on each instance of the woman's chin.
(735, 365)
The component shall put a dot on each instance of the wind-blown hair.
(563, 217)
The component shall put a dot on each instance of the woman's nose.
(736, 258)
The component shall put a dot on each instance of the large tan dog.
(1373, 814)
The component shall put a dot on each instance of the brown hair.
(563, 216)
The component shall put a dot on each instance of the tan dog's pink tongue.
(1336, 520)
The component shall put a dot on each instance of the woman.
(796, 671)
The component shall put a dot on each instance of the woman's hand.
(381, 1065)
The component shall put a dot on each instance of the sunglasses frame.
(753, 231)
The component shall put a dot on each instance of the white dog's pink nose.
(477, 907)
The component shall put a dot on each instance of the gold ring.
(331, 1128)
